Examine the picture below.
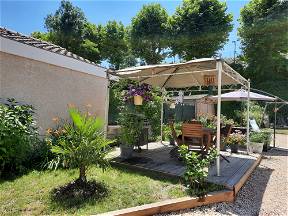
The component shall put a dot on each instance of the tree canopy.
(264, 37)
(199, 28)
(115, 45)
(148, 33)
(68, 24)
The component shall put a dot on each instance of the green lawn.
(280, 131)
(30, 194)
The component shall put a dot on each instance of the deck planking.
(159, 160)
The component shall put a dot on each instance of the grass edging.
(174, 204)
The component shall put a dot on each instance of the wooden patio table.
(210, 132)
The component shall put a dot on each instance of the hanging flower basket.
(138, 93)
(138, 100)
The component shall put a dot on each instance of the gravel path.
(281, 141)
(265, 193)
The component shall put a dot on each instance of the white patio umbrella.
(241, 94)
(199, 72)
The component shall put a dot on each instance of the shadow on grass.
(78, 193)
(147, 173)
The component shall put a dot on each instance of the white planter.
(256, 147)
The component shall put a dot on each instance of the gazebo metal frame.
(194, 69)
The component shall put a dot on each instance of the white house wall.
(50, 88)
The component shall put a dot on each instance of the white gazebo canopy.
(199, 72)
(241, 94)
(182, 75)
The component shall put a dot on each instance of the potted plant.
(256, 142)
(167, 134)
(131, 126)
(234, 141)
(267, 140)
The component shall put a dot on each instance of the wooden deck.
(157, 159)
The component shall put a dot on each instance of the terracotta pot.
(138, 100)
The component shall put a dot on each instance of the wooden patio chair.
(193, 136)
(226, 131)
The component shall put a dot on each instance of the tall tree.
(199, 28)
(114, 44)
(264, 39)
(92, 45)
(67, 23)
(68, 28)
(148, 33)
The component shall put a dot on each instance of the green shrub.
(80, 144)
(210, 121)
(260, 137)
(132, 123)
(151, 110)
(256, 112)
(196, 172)
(18, 134)
(235, 139)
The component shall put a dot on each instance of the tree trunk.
(82, 175)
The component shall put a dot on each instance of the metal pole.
(274, 127)
(248, 118)
(219, 70)
(234, 51)
(162, 106)
(107, 106)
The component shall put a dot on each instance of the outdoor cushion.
(254, 125)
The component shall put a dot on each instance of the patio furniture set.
(199, 139)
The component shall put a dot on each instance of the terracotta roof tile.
(28, 40)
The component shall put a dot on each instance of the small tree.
(82, 143)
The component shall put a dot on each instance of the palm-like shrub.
(81, 143)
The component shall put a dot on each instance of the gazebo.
(199, 72)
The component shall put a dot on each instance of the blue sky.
(28, 16)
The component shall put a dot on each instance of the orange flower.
(49, 131)
(55, 119)
(70, 105)
(57, 132)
